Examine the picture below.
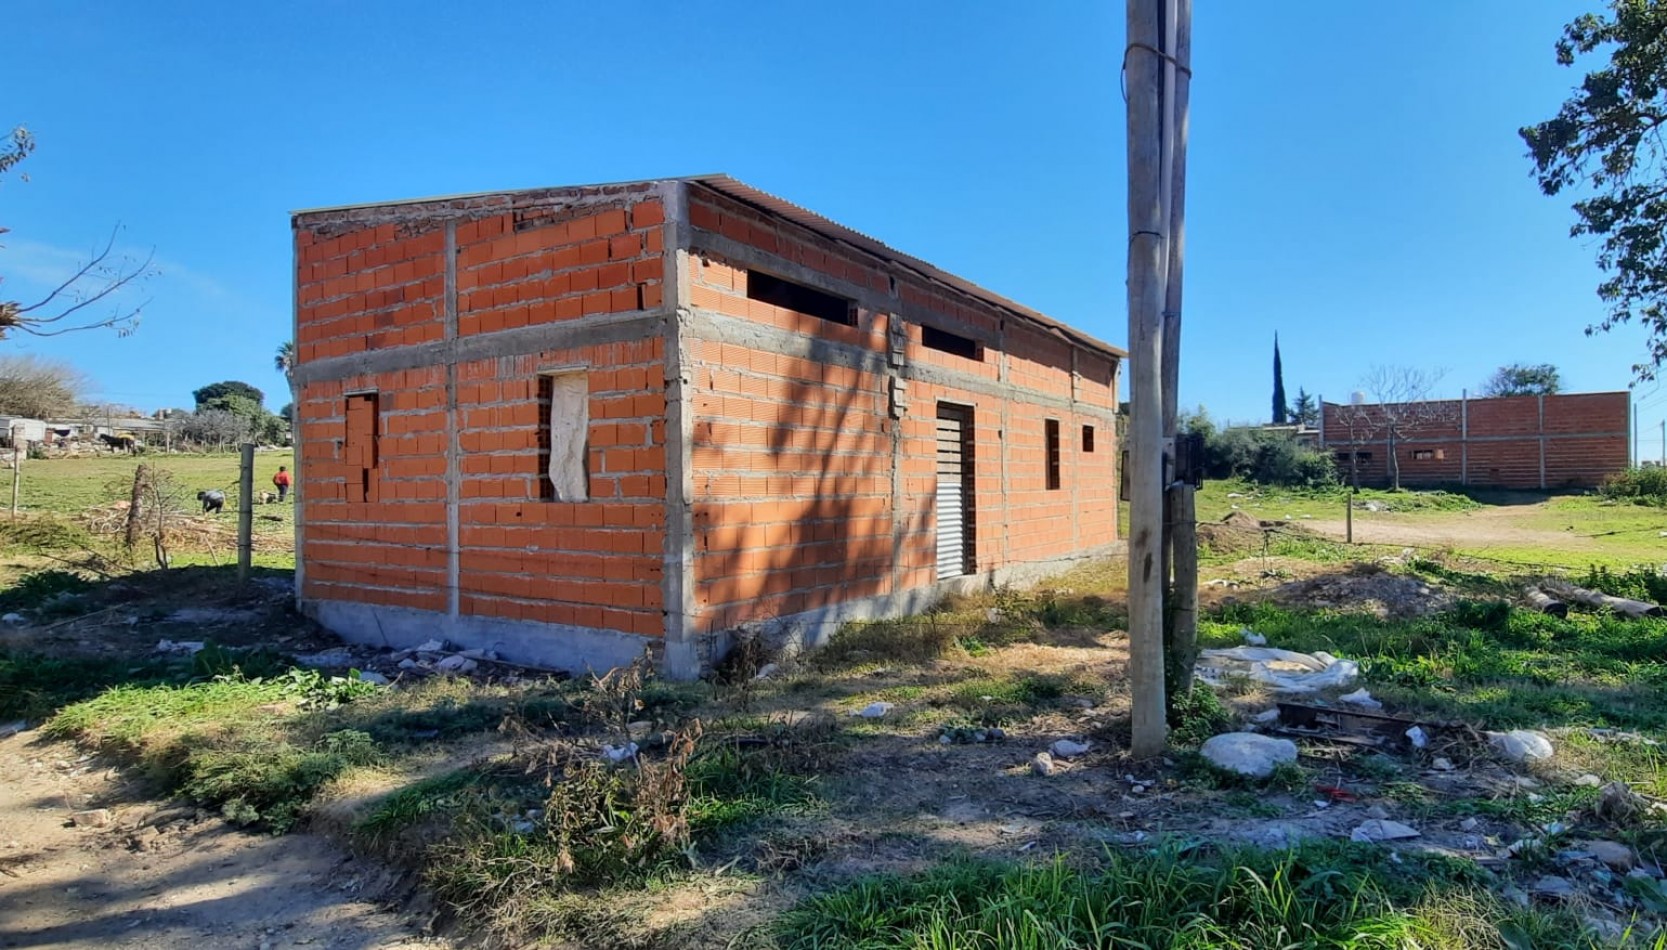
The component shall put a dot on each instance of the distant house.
(1522, 442)
(21, 429)
(573, 423)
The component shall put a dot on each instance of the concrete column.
(1541, 400)
(1464, 437)
(454, 438)
(682, 659)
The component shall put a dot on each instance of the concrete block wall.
(1570, 440)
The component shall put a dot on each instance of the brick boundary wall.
(1543, 443)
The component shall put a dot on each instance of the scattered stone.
(995, 615)
(373, 678)
(431, 646)
(945, 739)
(1442, 765)
(1042, 764)
(408, 664)
(1266, 716)
(12, 619)
(1378, 829)
(638, 729)
(478, 654)
(1554, 888)
(1521, 745)
(1252, 638)
(210, 615)
(1247, 753)
(1361, 698)
(1417, 737)
(876, 710)
(1077, 702)
(766, 671)
(1469, 824)
(1613, 853)
(92, 818)
(1588, 781)
(997, 734)
(9, 729)
(1377, 811)
(1068, 749)
(457, 663)
(184, 647)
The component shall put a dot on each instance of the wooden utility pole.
(1181, 528)
(1143, 69)
(245, 511)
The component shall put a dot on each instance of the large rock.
(1247, 753)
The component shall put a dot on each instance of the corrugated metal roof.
(741, 191)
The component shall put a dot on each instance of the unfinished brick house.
(1569, 440)
(571, 423)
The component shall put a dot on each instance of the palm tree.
(284, 360)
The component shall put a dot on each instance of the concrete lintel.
(553, 646)
(586, 331)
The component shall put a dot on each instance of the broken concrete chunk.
(1417, 737)
(431, 646)
(1266, 715)
(184, 647)
(1521, 745)
(1042, 764)
(1252, 638)
(1068, 748)
(12, 619)
(766, 671)
(1469, 824)
(1285, 670)
(876, 710)
(372, 677)
(1613, 853)
(92, 818)
(1247, 753)
(1443, 765)
(457, 663)
(408, 664)
(1588, 781)
(1379, 829)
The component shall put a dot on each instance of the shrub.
(1257, 455)
(1642, 485)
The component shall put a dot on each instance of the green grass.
(34, 686)
(1331, 894)
(1274, 504)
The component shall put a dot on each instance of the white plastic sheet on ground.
(1286, 671)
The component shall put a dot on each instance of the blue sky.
(1357, 184)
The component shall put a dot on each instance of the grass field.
(65, 490)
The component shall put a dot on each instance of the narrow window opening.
(1088, 438)
(1421, 455)
(564, 443)
(797, 297)
(360, 449)
(953, 343)
(1052, 431)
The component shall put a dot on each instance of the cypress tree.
(1281, 412)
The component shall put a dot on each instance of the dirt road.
(85, 863)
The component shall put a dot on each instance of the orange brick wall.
(595, 563)
(1584, 437)
(369, 288)
(393, 550)
(793, 458)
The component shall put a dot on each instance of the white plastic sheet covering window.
(570, 436)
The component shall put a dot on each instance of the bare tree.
(1400, 411)
(216, 427)
(90, 297)
(39, 388)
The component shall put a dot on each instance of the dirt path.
(1472, 530)
(152, 876)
